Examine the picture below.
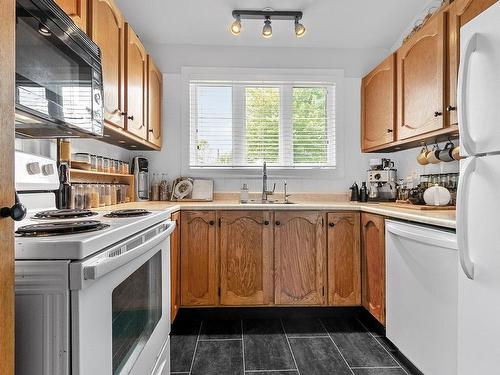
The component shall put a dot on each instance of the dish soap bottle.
(244, 194)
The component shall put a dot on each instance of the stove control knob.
(48, 169)
(33, 168)
(377, 176)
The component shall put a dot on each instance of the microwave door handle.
(462, 91)
(462, 216)
(104, 266)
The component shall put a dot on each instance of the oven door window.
(137, 309)
(53, 81)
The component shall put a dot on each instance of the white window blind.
(240, 124)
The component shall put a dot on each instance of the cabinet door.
(107, 30)
(344, 263)
(300, 258)
(246, 254)
(460, 12)
(420, 65)
(154, 99)
(136, 84)
(373, 265)
(198, 258)
(378, 105)
(77, 10)
(175, 267)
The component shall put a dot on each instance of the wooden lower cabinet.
(344, 259)
(246, 257)
(300, 258)
(373, 264)
(198, 258)
(175, 267)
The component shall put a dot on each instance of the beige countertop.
(326, 202)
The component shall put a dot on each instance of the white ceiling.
(329, 23)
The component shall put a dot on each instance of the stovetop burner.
(64, 214)
(60, 228)
(128, 213)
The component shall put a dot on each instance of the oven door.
(121, 305)
(58, 74)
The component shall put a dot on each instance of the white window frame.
(335, 77)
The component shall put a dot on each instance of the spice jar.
(126, 167)
(94, 195)
(93, 162)
(102, 195)
(78, 197)
(100, 164)
(107, 195)
(105, 165)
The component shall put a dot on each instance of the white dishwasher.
(421, 291)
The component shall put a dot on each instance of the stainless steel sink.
(258, 201)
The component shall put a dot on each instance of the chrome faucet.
(266, 192)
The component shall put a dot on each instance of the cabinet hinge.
(220, 221)
(323, 291)
(322, 221)
(218, 291)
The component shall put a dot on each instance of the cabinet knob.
(266, 222)
(123, 113)
(278, 223)
(450, 108)
(211, 222)
(389, 130)
(437, 114)
(131, 118)
(331, 224)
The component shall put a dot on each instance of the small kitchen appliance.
(91, 288)
(140, 169)
(382, 177)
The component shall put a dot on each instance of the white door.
(478, 233)
(479, 84)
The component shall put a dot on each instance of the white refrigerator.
(478, 201)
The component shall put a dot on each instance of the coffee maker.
(382, 180)
(140, 169)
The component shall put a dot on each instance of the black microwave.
(58, 75)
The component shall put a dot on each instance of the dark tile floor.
(281, 344)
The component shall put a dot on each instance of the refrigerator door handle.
(463, 71)
(462, 217)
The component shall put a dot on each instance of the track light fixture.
(267, 15)
(267, 30)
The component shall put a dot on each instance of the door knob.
(450, 108)
(17, 212)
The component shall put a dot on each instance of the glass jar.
(120, 167)
(107, 195)
(100, 163)
(93, 163)
(163, 188)
(124, 194)
(71, 200)
(102, 195)
(126, 167)
(116, 166)
(94, 196)
(118, 194)
(87, 196)
(105, 165)
(78, 197)
(113, 194)
(424, 181)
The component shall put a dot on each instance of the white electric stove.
(92, 288)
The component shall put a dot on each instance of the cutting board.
(421, 207)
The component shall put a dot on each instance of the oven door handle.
(114, 258)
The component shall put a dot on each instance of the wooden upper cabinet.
(373, 265)
(107, 30)
(459, 13)
(300, 258)
(344, 259)
(154, 103)
(175, 267)
(198, 258)
(420, 83)
(77, 10)
(378, 105)
(246, 255)
(136, 61)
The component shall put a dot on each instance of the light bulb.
(236, 26)
(300, 30)
(267, 30)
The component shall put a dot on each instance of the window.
(240, 124)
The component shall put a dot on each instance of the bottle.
(244, 194)
(155, 188)
(64, 191)
(363, 193)
(163, 188)
(354, 192)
